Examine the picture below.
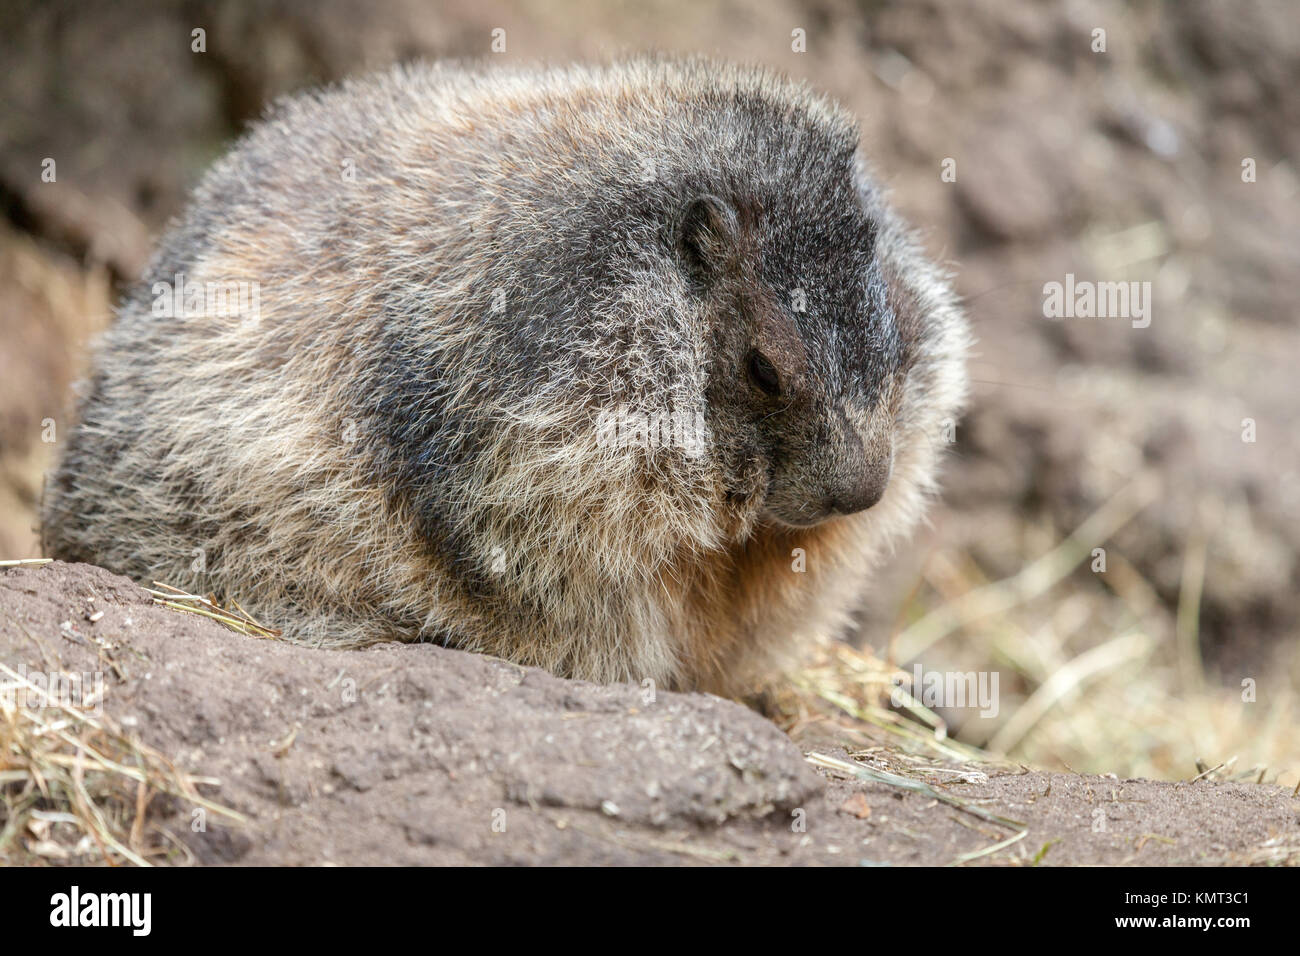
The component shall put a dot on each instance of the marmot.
(624, 371)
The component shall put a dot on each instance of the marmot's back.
(622, 371)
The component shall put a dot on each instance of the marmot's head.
(682, 241)
(808, 360)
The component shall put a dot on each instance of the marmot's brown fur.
(622, 371)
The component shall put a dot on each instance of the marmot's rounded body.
(622, 371)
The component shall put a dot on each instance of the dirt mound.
(417, 754)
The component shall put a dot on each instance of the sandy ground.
(416, 754)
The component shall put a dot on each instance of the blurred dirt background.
(1119, 165)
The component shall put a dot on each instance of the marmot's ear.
(709, 233)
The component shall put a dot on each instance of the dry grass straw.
(1019, 830)
(848, 692)
(1097, 673)
(75, 788)
(843, 697)
(237, 620)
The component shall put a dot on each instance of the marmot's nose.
(862, 488)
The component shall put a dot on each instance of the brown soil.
(408, 754)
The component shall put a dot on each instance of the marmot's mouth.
(798, 514)
(798, 522)
(781, 524)
(778, 509)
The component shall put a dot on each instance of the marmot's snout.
(861, 487)
(842, 472)
(864, 463)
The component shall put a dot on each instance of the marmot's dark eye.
(763, 374)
